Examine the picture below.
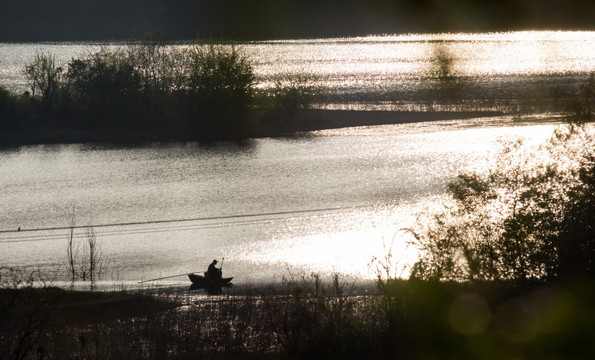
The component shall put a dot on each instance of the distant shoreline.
(332, 119)
(321, 120)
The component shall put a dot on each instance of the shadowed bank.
(305, 318)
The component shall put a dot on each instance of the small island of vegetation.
(153, 90)
(138, 92)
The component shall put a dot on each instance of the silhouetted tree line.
(60, 20)
(152, 91)
(145, 91)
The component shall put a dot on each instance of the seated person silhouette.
(213, 271)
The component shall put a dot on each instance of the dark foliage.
(9, 111)
(140, 92)
(309, 319)
(532, 217)
(220, 91)
(576, 240)
(152, 91)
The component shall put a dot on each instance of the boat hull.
(211, 285)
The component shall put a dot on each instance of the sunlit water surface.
(326, 203)
(384, 71)
(272, 208)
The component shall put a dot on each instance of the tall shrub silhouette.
(203, 92)
(576, 241)
(44, 78)
(163, 72)
(9, 111)
(530, 218)
(220, 90)
(106, 86)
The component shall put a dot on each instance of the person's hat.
(214, 261)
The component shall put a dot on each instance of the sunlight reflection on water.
(378, 68)
(329, 203)
(362, 184)
(365, 64)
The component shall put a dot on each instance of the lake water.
(325, 203)
(271, 207)
(394, 72)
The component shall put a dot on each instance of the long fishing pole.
(173, 276)
(161, 278)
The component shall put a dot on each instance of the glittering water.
(370, 64)
(388, 71)
(327, 203)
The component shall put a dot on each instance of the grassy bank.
(34, 319)
(64, 308)
(311, 319)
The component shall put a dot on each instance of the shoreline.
(318, 120)
(334, 119)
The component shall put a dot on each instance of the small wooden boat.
(212, 285)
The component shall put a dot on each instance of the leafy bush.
(530, 218)
(220, 89)
(147, 90)
(45, 76)
(106, 86)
